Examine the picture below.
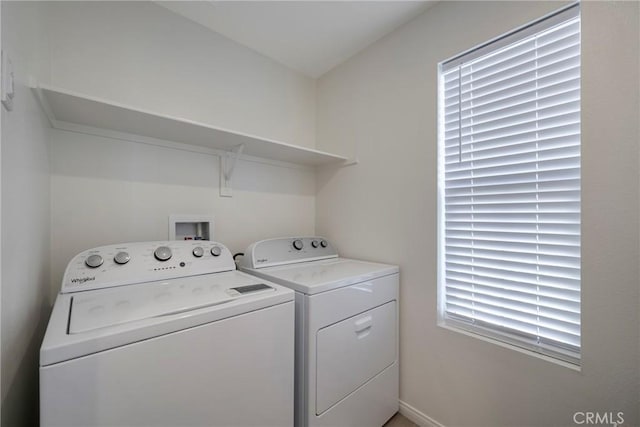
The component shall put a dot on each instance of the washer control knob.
(198, 252)
(323, 243)
(94, 261)
(315, 243)
(297, 244)
(216, 251)
(163, 253)
(122, 258)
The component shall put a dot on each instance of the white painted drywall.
(108, 191)
(309, 36)
(141, 54)
(381, 104)
(25, 217)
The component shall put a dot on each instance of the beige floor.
(399, 420)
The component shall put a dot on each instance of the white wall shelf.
(63, 107)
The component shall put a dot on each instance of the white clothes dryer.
(167, 334)
(346, 330)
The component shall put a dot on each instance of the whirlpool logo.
(82, 280)
(262, 260)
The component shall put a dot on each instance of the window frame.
(500, 337)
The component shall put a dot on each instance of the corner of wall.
(25, 225)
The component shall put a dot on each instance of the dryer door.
(351, 352)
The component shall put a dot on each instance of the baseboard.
(423, 420)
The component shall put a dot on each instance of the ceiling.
(311, 37)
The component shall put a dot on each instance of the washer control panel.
(287, 250)
(129, 263)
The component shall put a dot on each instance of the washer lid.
(96, 310)
(91, 321)
(318, 276)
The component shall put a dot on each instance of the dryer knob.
(216, 251)
(94, 261)
(323, 243)
(298, 245)
(314, 243)
(198, 252)
(163, 253)
(121, 258)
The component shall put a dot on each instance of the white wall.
(141, 54)
(382, 105)
(107, 191)
(25, 217)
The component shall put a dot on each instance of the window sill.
(569, 365)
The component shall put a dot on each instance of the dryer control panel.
(287, 250)
(129, 263)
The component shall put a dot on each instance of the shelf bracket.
(228, 162)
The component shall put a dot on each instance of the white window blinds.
(509, 188)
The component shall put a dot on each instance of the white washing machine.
(167, 334)
(346, 330)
